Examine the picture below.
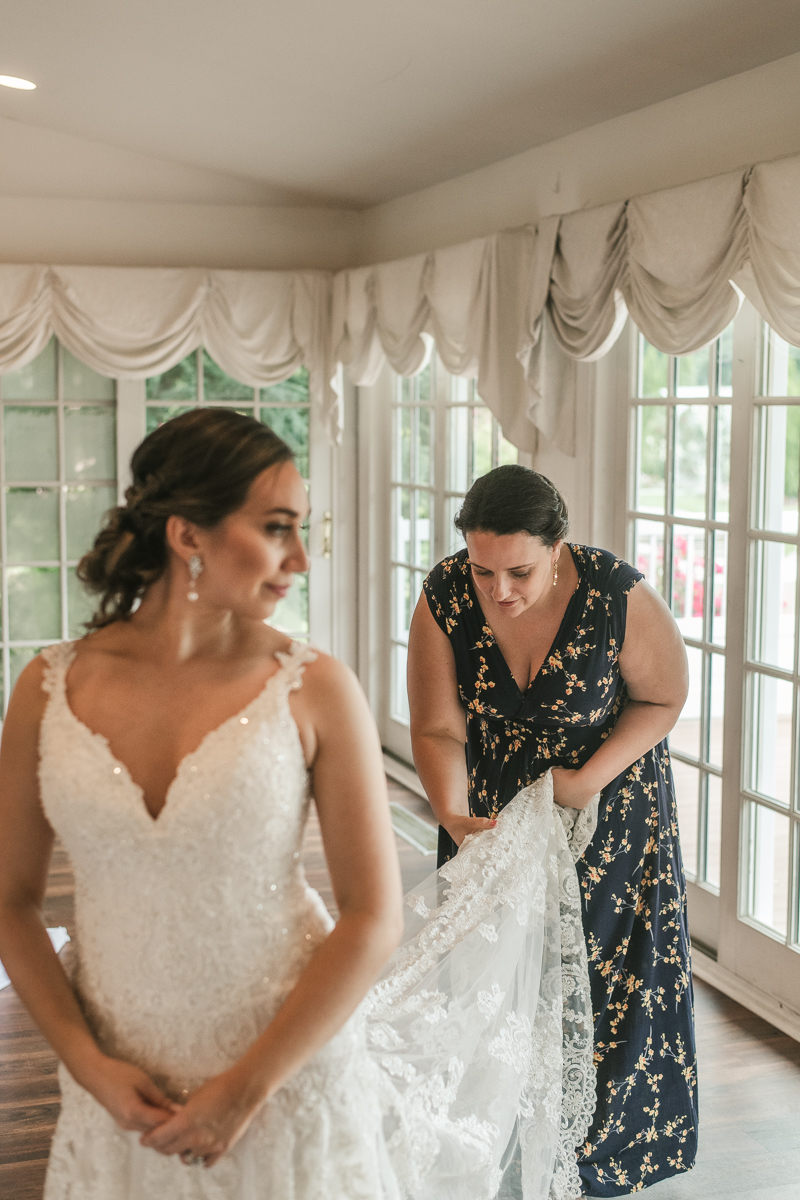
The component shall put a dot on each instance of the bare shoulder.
(646, 611)
(328, 681)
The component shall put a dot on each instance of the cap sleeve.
(434, 587)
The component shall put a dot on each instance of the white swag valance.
(516, 310)
(132, 322)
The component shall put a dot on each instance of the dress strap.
(293, 663)
(57, 660)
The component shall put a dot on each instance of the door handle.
(327, 533)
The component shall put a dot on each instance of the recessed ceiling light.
(24, 85)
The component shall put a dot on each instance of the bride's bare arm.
(438, 725)
(653, 664)
(349, 788)
(26, 842)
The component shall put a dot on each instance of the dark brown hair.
(514, 499)
(199, 466)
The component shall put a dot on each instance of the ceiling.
(353, 102)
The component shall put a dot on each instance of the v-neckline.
(121, 768)
(523, 693)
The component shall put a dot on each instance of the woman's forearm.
(640, 727)
(442, 769)
(330, 988)
(41, 983)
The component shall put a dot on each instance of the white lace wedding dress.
(465, 1075)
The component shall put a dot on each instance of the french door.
(713, 524)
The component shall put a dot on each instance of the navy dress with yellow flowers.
(631, 875)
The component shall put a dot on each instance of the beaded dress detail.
(191, 929)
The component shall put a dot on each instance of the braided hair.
(198, 466)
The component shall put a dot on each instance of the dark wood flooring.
(749, 1074)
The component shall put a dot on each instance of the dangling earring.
(555, 573)
(195, 568)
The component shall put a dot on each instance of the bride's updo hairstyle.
(514, 499)
(199, 466)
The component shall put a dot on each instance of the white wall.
(740, 120)
(65, 199)
(68, 200)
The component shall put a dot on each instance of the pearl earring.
(195, 568)
(555, 573)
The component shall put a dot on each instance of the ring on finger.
(190, 1159)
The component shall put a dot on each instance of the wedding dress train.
(466, 1074)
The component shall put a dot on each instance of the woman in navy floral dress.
(537, 654)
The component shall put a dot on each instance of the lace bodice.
(203, 912)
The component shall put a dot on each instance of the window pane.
(716, 709)
(403, 417)
(34, 603)
(90, 441)
(507, 451)
(784, 367)
(402, 525)
(36, 381)
(460, 390)
(398, 686)
(775, 566)
(19, 657)
(178, 383)
(779, 429)
(653, 371)
(651, 459)
(406, 391)
(82, 383)
(86, 508)
(31, 444)
(481, 442)
(691, 431)
(769, 867)
(692, 374)
(158, 414)
(688, 579)
(80, 605)
(423, 531)
(219, 386)
(770, 728)
(459, 449)
(685, 736)
(32, 524)
(423, 447)
(649, 552)
(687, 793)
(725, 362)
(713, 829)
(722, 485)
(291, 424)
(719, 602)
(403, 603)
(423, 384)
(293, 390)
(291, 613)
(453, 541)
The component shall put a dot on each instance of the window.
(198, 381)
(443, 438)
(59, 476)
(713, 523)
(679, 519)
(772, 821)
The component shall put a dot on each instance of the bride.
(213, 1015)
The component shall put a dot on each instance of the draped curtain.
(518, 309)
(132, 322)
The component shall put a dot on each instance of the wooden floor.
(749, 1075)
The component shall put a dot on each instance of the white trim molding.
(769, 1008)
